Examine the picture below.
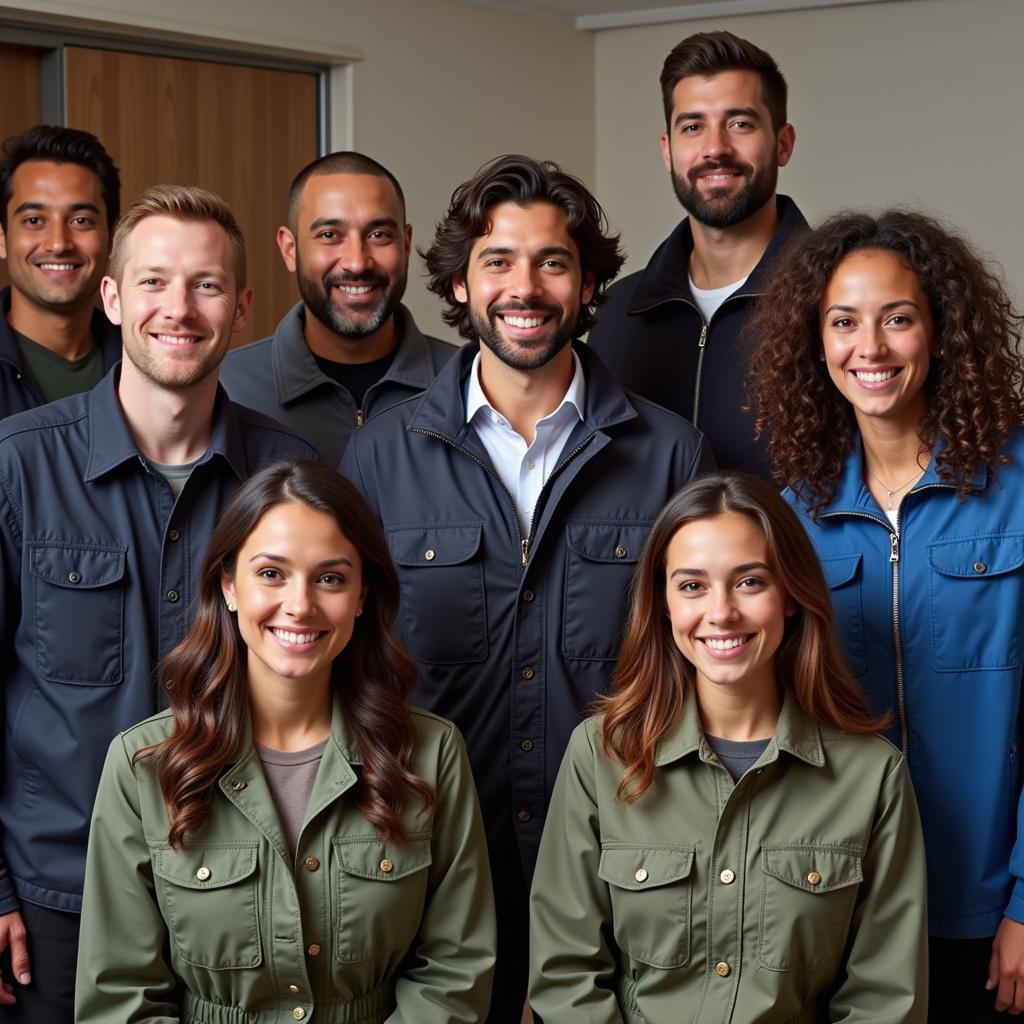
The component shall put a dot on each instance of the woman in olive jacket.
(289, 840)
(727, 841)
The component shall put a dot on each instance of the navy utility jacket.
(17, 392)
(98, 569)
(516, 635)
(280, 377)
(654, 339)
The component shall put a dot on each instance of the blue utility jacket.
(98, 568)
(516, 635)
(932, 625)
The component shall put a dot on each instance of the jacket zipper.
(359, 417)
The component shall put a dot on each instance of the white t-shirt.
(709, 299)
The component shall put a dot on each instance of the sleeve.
(572, 960)
(1015, 908)
(452, 961)
(124, 974)
(886, 970)
(703, 460)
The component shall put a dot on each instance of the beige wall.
(917, 102)
(442, 86)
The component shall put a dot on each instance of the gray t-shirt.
(290, 777)
(176, 476)
(737, 755)
(53, 375)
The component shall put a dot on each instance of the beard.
(523, 355)
(316, 295)
(723, 211)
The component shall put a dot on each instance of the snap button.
(430, 554)
(621, 552)
(523, 815)
(814, 878)
(527, 672)
(172, 596)
(529, 463)
(312, 863)
(722, 969)
(527, 595)
(293, 988)
(74, 577)
(174, 535)
(203, 874)
(238, 785)
(641, 875)
(387, 866)
(980, 567)
(313, 949)
(527, 744)
(727, 877)
(299, 1013)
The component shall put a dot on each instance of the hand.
(1006, 968)
(12, 935)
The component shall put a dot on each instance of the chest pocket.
(650, 889)
(599, 564)
(843, 574)
(380, 892)
(209, 899)
(443, 615)
(78, 605)
(807, 900)
(982, 574)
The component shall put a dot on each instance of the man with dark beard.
(349, 349)
(516, 494)
(674, 331)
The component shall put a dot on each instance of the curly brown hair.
(973, 390)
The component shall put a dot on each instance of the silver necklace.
(892, 492)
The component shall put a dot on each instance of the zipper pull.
(526, 550)
(703, 336)
(359, 417)
(894, 547)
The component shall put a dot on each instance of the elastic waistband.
(370, 1008)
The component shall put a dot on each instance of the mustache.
(719, 165)
(367, 277)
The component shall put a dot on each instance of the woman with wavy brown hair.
(728, 841)
(888, 381)
(289, 837)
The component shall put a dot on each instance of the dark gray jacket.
(279, 376)
(515, 636)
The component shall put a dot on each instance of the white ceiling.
(598, 14)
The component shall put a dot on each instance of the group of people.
(718, 753)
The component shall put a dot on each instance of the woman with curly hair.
(289, 839)
(887, 379)
(728, 841)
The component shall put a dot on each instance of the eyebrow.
(883, 308)
(737, 570)
(73, 208)
(504, 250)
(338, 222)
(328, 562)
(699, 115)
(214, 271)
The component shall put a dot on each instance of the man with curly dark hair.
(516, 493)
(675, 331)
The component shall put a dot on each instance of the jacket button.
(387, 866)
(523, 815)
(621, 552)
(293, 988)
(527, 672)
(980, 567)
(312, 863)
(430, 554)
(527, 744)
(641, 875)
(727, 877)
(238, 785)
(528, 595)
(174, 535)
(814, 878)
(203, 874)
(74, 577)
(299, 1013)
(722, 969)
(313, 949)
(172, 596)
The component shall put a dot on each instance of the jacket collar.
(296, 371)
(795, 734)
(111, 443)
(442, 409)
(667, 276)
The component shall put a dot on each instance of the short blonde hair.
(183, 202)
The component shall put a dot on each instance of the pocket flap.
(209, 867)
(76, 566)
(645, 867)
(839, 569)
(428, 546)
(977, 557)
(382, 862)
(812, 868)
(608, 542)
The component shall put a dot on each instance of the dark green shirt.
(53, 375)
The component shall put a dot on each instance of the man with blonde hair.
(107, 502)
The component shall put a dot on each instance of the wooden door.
(243, 132)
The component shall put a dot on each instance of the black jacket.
(654, 339)
(514, 640)
(17, 392)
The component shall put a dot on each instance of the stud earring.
(232, 607)
(359, 611)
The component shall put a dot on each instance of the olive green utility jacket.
(794, 896)
(233, 929)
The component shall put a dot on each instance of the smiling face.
(721, 149)
(524, 285)
(878, 337)
(297, 585)
(57, 240)
(177, 299)
(727, 609)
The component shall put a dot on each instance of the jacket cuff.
(1015, 908)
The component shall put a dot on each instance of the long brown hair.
(206, 680)
(652, 678)
(973, 390)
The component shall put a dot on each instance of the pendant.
(890, 506)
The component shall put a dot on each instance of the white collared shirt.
(522, 468)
